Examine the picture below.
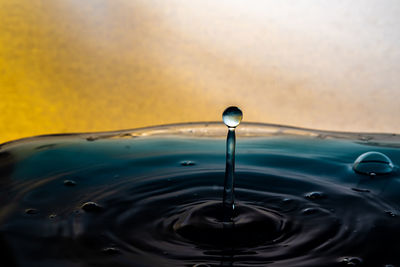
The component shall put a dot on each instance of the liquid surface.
(154, 198)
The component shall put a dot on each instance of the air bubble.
(187, 163)
(314, 195)
(69, 183)
(201, 265)
(352, 261)
(360, 190)
(287, 200)
(91, 207)
(373, 163)
(111, 251)
(309, 211)
(390, 213)
(31, 211)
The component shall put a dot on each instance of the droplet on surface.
(111, 251)
(373, 163)
(201, 265)
(390, 213)
(52, 216)
(187, 163)
(360, 190)
(232, 117)
(91, 207)
(31, 211)
(287, 200)
(314, 195)
(309, 211)
(69, 183)
(352, 261)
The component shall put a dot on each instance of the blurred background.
(99, 65)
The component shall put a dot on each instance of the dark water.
(155, 200)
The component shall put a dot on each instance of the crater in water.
(297, 202)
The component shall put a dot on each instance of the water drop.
(111, 251)
(187, 163)
(201, 265)
(353, 261)
(91, 207)
(314, 195)
(390, 213)
(69, 183)
(309, 211)
(52, 216)
(232, 117)
(47, 146)
(373, 163)
(360, 190)
(287, 200)
(31, 211)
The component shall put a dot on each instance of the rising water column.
(232, 117)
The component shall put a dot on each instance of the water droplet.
(47, 146)
(111, 251)
(309, 211)
(69, 183)
(31, 211)
(314, 195)
(287, 200)
(52, 216)
(201, 265)
(373, 163)
(91, 207)
(91, 138)
(353, 261)
(361, 190)
(232, 117)
(390, 213)
(187, 163)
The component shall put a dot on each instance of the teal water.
(155, 199)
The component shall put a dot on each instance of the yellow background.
(96, 65)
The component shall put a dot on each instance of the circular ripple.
(179, 218)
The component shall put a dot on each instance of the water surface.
(153, 197)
